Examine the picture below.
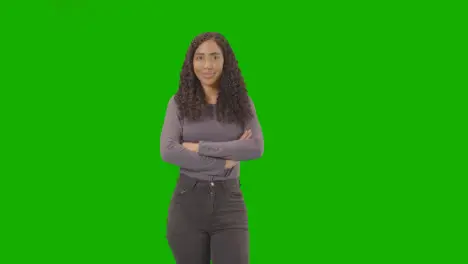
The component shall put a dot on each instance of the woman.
(210, 126)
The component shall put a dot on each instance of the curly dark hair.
(233, 103)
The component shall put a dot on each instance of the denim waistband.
(190, 181)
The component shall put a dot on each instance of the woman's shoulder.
(251, 102)
(171, 104)
(172, 101)
(172, 98)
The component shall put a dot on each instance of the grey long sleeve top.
(218, 142)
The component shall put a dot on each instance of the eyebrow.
(213, 53)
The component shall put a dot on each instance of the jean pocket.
(236, 194)
(181, 192)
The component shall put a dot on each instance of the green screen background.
(351, 171)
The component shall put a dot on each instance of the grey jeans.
(208, 220)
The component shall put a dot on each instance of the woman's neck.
(211, 94)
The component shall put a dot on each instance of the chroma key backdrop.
(360, 116)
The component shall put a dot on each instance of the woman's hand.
(247, 134)
(230, 164)
(190, 146)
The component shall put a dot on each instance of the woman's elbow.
(258, 151)
(166, 155)
(168, 152)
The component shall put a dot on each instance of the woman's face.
(208, 63)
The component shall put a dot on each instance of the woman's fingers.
(247, 134)
(243, 135)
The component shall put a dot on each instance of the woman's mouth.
(208, 75)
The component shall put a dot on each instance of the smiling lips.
(208, 75)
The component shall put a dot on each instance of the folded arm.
(173, 152)
(242, 149)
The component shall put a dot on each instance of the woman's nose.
(208, 64)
